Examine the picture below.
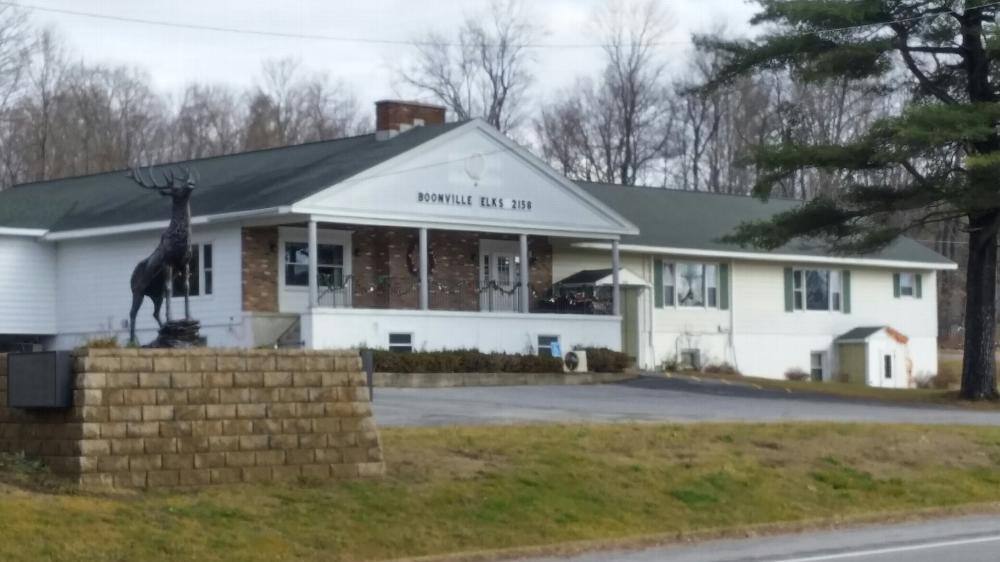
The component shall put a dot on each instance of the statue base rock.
(178, 334)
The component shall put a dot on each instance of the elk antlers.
(171, 178)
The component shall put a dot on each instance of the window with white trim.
(691, 284)
(201, 272)
(816, 289)
(712, 285)
(907, 284)
(669, 285)
(330, 264)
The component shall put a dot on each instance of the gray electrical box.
(40, 380)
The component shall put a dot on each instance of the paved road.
(644, 399)
(967, 539)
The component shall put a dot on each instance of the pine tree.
(945, 53)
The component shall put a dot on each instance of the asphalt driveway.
(645, 399)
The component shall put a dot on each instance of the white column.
(313, 264)
(616, 298)
(424, 288)
(525, 290)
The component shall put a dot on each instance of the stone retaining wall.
(161, 418)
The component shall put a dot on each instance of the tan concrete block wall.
(161, 418)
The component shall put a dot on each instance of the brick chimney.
(393, 117)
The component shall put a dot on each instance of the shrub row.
(604, 360)
(463, 361)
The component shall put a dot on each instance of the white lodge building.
(427, 235)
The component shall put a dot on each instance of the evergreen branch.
(911, 64)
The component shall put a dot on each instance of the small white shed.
(877, 356)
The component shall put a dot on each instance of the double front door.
(499, 276)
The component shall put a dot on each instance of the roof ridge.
(691, 191)
(229, 155)
(200, 159)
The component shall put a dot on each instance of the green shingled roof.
(859, 334)
(247, 181)
(278, 177)
(696, 220)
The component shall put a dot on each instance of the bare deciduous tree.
(288, 107)
(207, 123)
(485, 71)
(615, 129)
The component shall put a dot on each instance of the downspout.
(732, 312)
(652, 310)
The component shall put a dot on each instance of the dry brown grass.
(467, 489)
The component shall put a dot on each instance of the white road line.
(892, 550)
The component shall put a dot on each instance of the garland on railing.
(386, 282)
(459, 287)
(573, 302)
(381, 283)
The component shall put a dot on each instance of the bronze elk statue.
(153, 277)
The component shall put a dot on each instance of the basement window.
(548, 346)
(817, 359)
(401, 342)
(690, 359)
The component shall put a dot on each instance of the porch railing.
(386, 292)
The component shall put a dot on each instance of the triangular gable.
(472, 177)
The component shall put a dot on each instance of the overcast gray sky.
(175, 57)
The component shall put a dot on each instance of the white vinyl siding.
(28, 286)
(93, 287)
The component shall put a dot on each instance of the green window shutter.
(658, 283)
(845, 296)
(895, 285)
(724, 286)
(919, 289)
(788, 289)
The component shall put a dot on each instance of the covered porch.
(402, 288)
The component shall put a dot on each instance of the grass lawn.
(950, 366)
(461, 489)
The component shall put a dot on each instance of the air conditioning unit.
(40, 380)
(575, 362)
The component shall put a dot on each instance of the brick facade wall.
(162, 418)
(260, 269)
(380, 255)
(381, 252)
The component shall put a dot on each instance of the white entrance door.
(499, 275)
(886, 370)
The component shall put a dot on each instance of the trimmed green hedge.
(599, 360)
(604, 360)
(463, 361)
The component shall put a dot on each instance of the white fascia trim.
(447, 223)
(27, 232)
(751, 256)
(331, 311)
(156, 225)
